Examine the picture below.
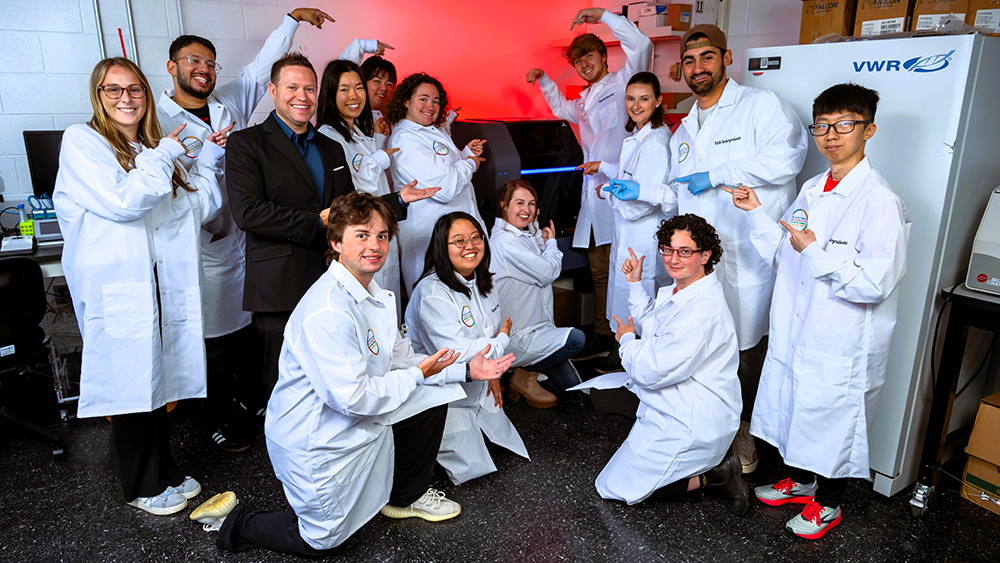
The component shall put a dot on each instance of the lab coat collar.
(848, 184)
(501, 225)
(685, 295)
(641, 134)
(170, 107)
(407, 124)
(728, 98)
(353, 286)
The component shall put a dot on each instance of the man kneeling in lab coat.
(355, 421)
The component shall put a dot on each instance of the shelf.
(656, 35)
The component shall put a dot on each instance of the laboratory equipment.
(984, 265)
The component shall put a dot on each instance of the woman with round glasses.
(680, 357)
(131, 219)
(453, 306)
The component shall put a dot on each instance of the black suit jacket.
(274, 199)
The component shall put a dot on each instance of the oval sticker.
(800, 219)
(192, 146)
(356, 161)
(467, 319)
(372, 344)
(440, 148)
(682, 152)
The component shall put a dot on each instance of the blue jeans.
(561, 376)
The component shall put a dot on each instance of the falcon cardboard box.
(822, 17)
(927, 14)
(982, 472)
(984, 13)
(879, 17)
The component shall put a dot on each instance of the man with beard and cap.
(233, 348)
(735, 135)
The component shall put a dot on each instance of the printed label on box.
(881, 27)
(989, 19)
(930, 21)
(685, 17)
(6, 350)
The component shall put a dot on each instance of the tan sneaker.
(746, 448)
(212, 513)
(525, 383)
(433, 507)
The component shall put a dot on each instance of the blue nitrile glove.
(697, 182)
(625, 190)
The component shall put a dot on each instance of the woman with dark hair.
(680, 356)
(645, 158)
(453, 306)
(429, 157)
(526, 261)
(132, 218)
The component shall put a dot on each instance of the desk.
(968, 309)
(49, 256)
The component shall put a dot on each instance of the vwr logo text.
(932, 63)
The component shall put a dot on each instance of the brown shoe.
(525, 383)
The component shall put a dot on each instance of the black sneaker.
(231, 440)
(598, 346)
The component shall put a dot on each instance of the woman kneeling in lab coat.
(131, 219)
(526, 261)
(428, 156)
(680, 357)
(452, 307)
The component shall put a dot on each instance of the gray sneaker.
(786, 491)
(814, 521)
(433, 507)
(167, 502)
(188, 489)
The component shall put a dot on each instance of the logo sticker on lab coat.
(682, 152)
(800, 219)
(467, 319)
(356, 161)
(192, 146)
(372, 345)
(441, 148)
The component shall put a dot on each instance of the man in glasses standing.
(733, 135)
(233, 348)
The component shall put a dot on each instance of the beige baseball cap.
(716, 38)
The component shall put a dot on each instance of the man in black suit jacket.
(281, 177)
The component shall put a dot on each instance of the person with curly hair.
(428, 156)
(680, 356)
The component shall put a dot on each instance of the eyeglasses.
(195, 61)
(842, 127)
(682, 252)
(114, 91)
(462, 242)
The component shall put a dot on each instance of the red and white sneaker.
(814, 522)
(786, 491)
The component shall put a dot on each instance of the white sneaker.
(433, 507)
(746, 448)
(212, 513)
(167, 502)
(189, 488)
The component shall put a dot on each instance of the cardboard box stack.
(984, 13)
(677, 16)
(927, 14)
(635, 8)
(879, 17)
(982, 471)
(821, 17)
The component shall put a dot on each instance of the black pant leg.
(271, 327)
(831, 491)
(246, 352)
(801, 476)
(142, 448)
(417, 441)
(246, 529)
(219, 400)
(748, 371)
(672, 491)
(618, 405)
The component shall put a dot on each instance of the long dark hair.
(437, 259)
(328, 114)
(649, 79)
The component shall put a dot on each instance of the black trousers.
(271, 327)
(417, 441)
(235, 374)
(142, 447)
(617, 405)
(751, 364)
(830, 492)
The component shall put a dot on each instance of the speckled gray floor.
(543, 510)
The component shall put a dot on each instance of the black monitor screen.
(42, 148)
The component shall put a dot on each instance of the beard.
(704, 87)
(185, 83)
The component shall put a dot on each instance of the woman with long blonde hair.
(131, 218)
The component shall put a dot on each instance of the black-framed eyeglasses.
(114, 91)
(843, 127)
(195, 61)
(462, 242)
(682, 252)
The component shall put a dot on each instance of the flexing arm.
(638, 48)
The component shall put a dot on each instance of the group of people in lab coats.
(143, 215)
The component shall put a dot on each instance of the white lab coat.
(118, 226)
(645, 159)
(754, 138)
(429, 156)
(345, 376)
(224, 261)
(832, 319)
(524, 267)
(600, 113)
(683, 369)
(438, 317)
(368, 163)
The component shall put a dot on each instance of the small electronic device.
(47, 229)
(14, 246)
(984, 265)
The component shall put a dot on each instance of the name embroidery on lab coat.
(800, 219)
(356, 161)
(682, 152)
(372, 345)
(192, 146)
(467, 319)
(441, 148)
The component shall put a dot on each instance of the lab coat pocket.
(821, 380)
(128, 310)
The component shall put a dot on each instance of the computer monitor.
(42, 148)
